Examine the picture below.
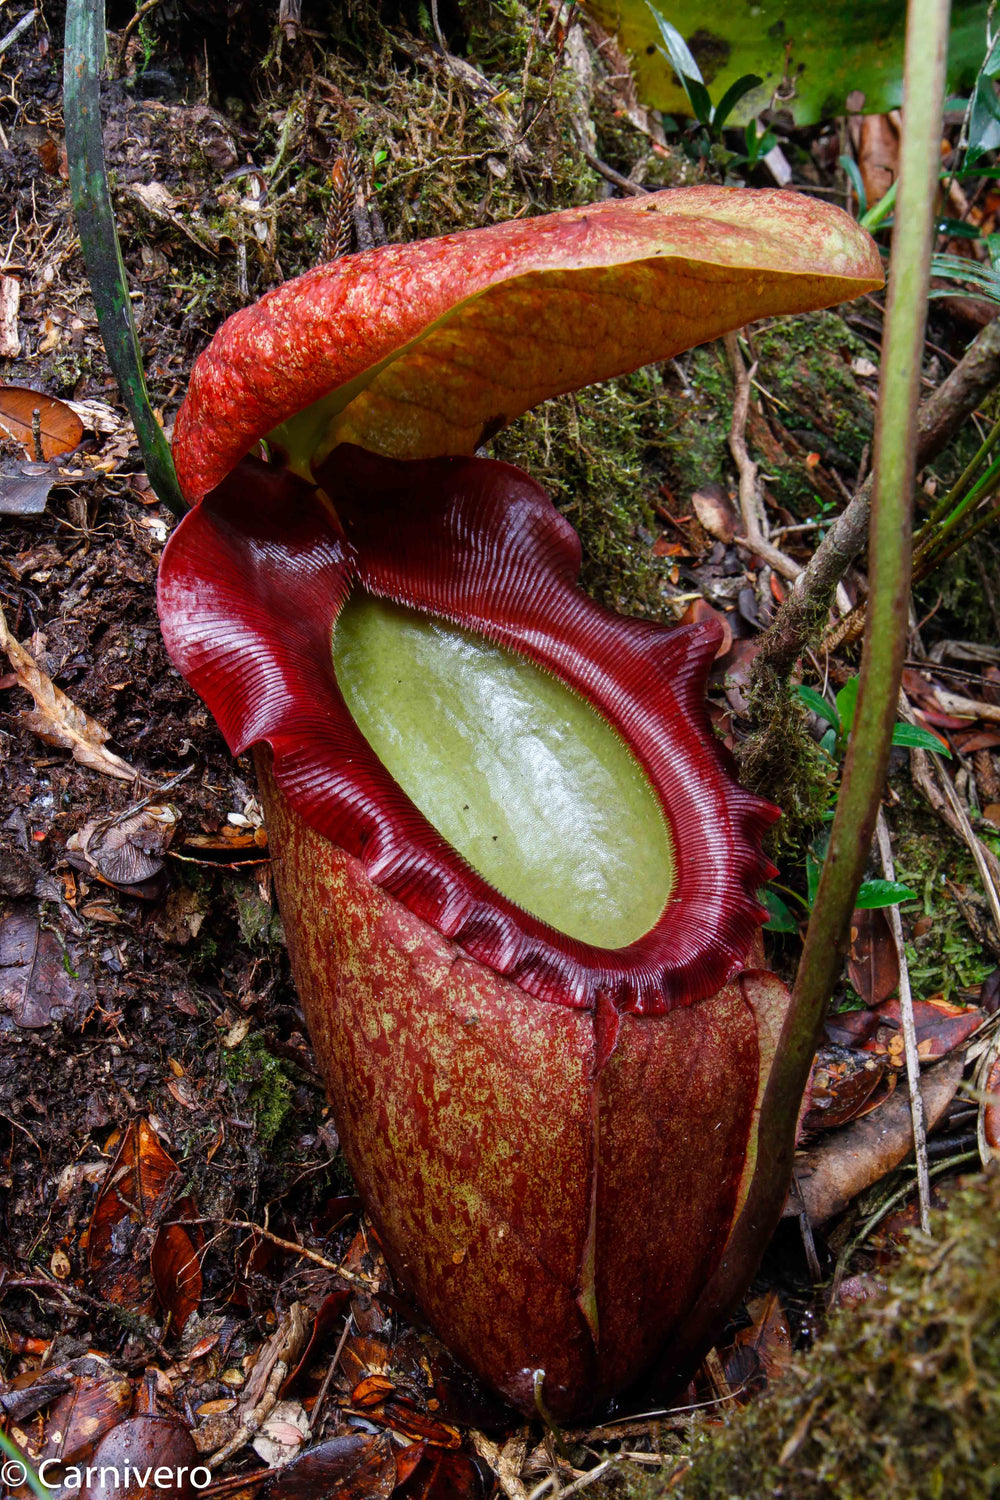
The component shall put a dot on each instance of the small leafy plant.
(711, 117)
(839, 717)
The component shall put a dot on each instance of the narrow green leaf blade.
(912, 737)
(676, 48)
(734, 93)
(818, 704)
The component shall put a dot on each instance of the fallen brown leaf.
(56, 718)
(127, 850)
(136, 1259)
(25, 486)
(59, 428)
(98, 1401)
(831, 1175)
(715, 513)
(154, 1447)
(355, 1466)
(873, 962)
(443, 1476)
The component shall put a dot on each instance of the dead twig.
(314, 1415)
(140, 15)
(909, 1032)
(750, 504)
(635, 189)
(804, 612)
(16, 30)
(297, 1249)
(277, 1360)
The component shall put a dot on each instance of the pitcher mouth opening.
(647, 893)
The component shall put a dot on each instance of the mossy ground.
(262, 1082)
(901, 1399)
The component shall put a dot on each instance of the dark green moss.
(595, 453)
(805, 386)
(260, 1080)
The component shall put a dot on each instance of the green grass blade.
(95, 220)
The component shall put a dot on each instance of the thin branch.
(16, 30)
(634, 189)
(803, 614)
(136, 20)
(296, 1249)
(755, 539)
(909, 1033)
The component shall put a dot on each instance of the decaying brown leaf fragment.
(126, 851)
(830, 1176)
(41, 980)
(99, 1400)
(56, 718)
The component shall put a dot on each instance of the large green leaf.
(815, 56)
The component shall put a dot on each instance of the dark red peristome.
(250, 587)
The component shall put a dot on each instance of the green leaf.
(847, 700)
(675, 47)
(779, 918)
(734, 93)
(958, 229)
(836, 50)
(872, 893)
(912, 737)
(701, 101)
(829, 743)
(818, 704)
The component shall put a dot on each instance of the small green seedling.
(839, 717)
(712, 117)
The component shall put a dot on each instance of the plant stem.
(88, 177)
(889, 554)
(881, 671)
(875, 216)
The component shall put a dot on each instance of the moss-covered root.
(901, 1400)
